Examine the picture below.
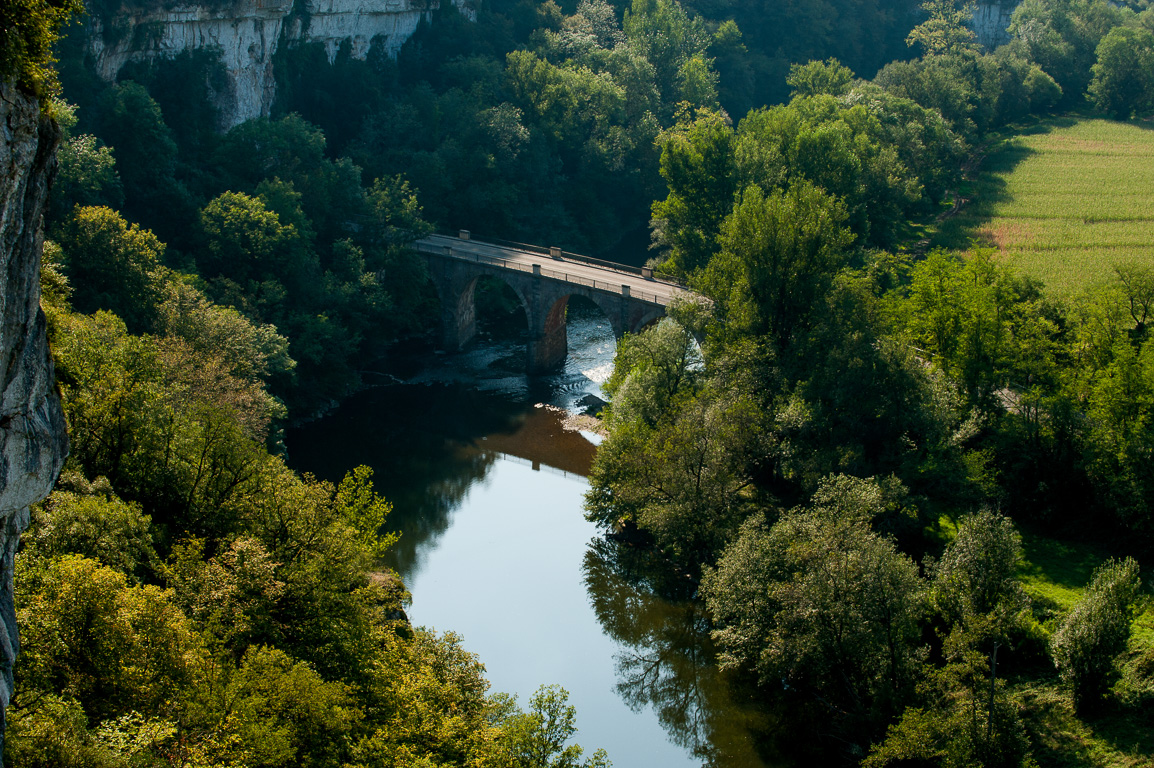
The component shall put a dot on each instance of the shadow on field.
(1127, 732)
(984, 192)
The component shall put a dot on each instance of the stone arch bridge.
(543, 279)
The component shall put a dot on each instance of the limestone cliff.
(247, 34)
(991, 17)
(33, 440)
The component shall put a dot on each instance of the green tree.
(256, 714)
(112, 265)
(964, 719)
(685, 481)
(96, 525)
(976, 578)
(87, 176)
(1087, 645)
(364, 511)
(1062, 36)
(667, 37)
(697, 163)
(91, 637)
(822, 602)
(947, 30)
(1123, 82)
(820, 77)
(779, 255)
(652, 372)
(28, 31)
(246, 241)
(131, 122)
(251, 351)
(537, 739)
(980, 323)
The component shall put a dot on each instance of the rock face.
(248, 32)
(991, 17)
(33, 438)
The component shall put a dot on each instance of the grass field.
(1064, 201)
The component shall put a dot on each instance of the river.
(487, 487)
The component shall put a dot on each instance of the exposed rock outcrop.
(33, 439)
(247, 34)
(991, 17)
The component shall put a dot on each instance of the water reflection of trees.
(425, 493)
(419, 440)
(668, 660)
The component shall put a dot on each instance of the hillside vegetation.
(835, 453)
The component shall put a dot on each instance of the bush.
(1097, 631)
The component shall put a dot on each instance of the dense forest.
(837, 445)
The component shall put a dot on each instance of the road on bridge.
(619, 279)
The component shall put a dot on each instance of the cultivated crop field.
(1070, 200)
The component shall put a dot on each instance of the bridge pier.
(458, 327)
(548, 341)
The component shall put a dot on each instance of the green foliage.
(112, 265)
(537, 739)
(1062, 36)
(91, 637)
(28, 31)
(1087, 645)
(652, 372)
(1123, 83)
(364, 511)
(779, 255)
(251, 352)
(260, 704)
(245, 240)
(669, 39)
(96, 525)
(820, 77)
(698, 165)
(980, 323)
(53, 733)
(821, 602)
(172, 431)
(975, 582)
(963, 713)
(1044, 91)
(962, 724)
(946, 31)
(87, 176)
(131, 122)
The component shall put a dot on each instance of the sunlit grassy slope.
(1066, 201)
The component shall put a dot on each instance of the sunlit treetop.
(28, 30)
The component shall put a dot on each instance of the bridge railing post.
(555, 252)
(625, 290)
(536, 269)
(464, 234)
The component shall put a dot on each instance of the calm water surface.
(487, 488)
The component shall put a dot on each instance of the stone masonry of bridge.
(543, 280)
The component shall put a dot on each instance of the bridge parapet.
(465, 254)
(629, 297)
(556, 253)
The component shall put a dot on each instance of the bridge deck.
(600, 276)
